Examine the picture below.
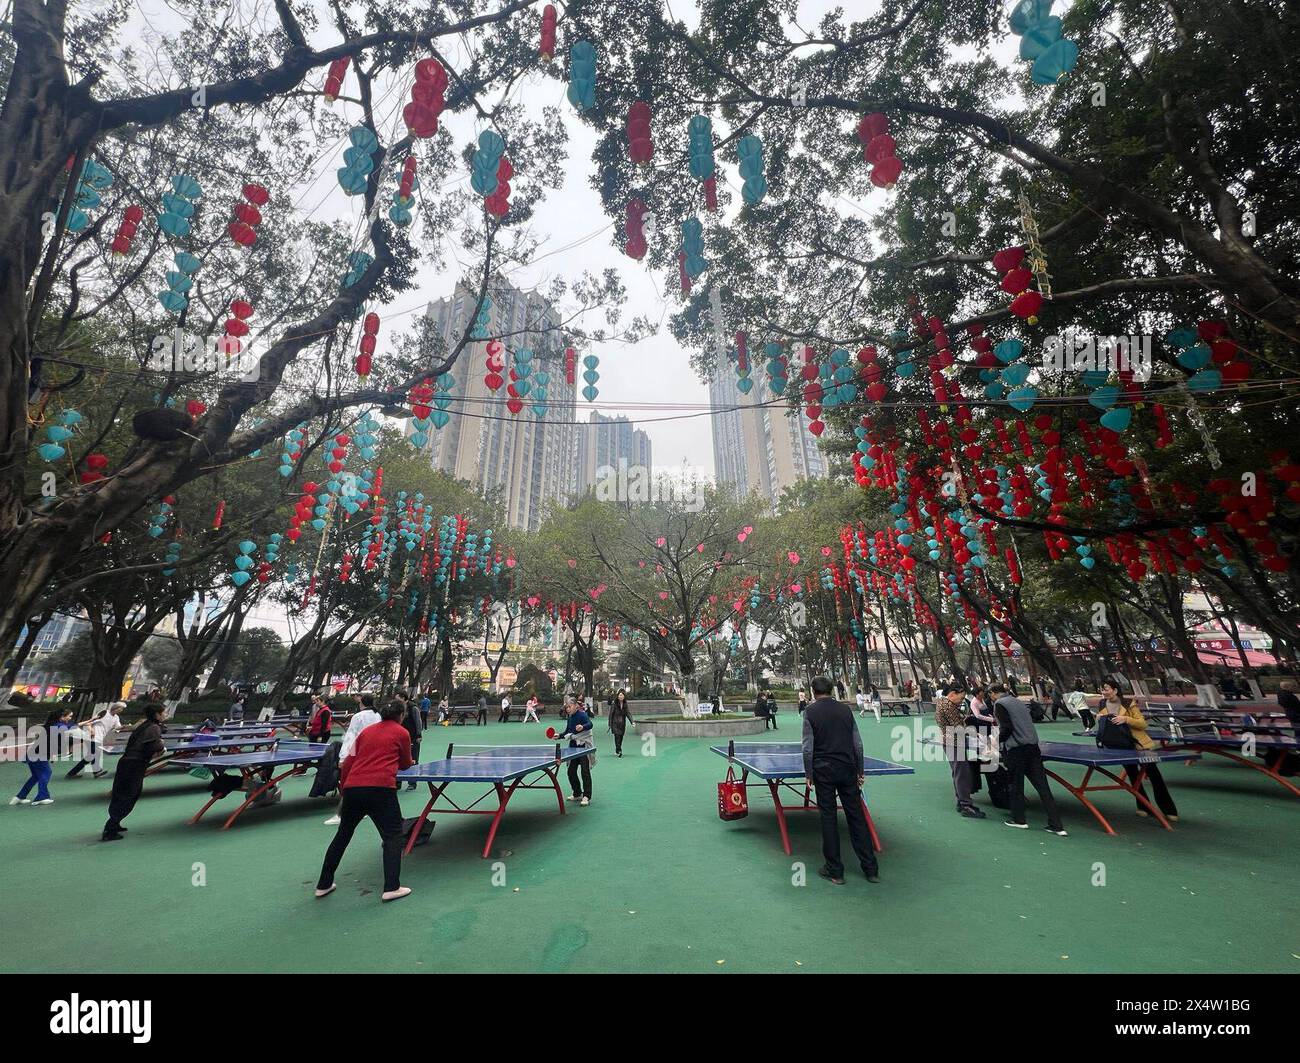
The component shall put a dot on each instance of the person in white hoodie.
(359, 722)
(99, 730)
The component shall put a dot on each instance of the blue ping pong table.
(258, 770)
(780, 766)
(1104, 762)
(1240, 747)
(504, 769)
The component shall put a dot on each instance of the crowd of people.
(980, 723)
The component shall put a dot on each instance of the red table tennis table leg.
(1121, 784)
(434, 794)
(1264, 769)
(248, 774)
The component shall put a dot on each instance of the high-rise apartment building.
(531, 460)
(758, 446)
(605, 441)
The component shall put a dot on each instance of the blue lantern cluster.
(776, 369)
(179, 282)
(582, 75)
(750, 150)
(693, 247)
(244, 563)
(836, 378)
(172, 557)
(178, 205)
(159, 520)
(293, 443)
(57, 433)
(1041, 42)
(699, 137)
(483, 166)
(1194, 355)
(358, 160)
(590, 374)
(93, 180)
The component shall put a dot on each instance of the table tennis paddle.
(550, 732)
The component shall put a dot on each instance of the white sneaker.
(1058, 833)
(1018, 826)
(20, 800)
(44, 801)
(333, 821)
(585, 801)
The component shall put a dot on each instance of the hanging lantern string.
(1037, 257)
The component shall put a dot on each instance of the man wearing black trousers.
(832, 762)
(1024, 760)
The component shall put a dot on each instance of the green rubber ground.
(649, 879)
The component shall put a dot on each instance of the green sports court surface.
(649, 879)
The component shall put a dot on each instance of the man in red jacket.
(369, 782)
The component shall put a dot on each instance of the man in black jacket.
(832, 762)
(145, 743)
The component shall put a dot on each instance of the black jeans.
(1164, 801)
(81, 764)
(380, 804)
(1087, 718)
(1026, 762)
(576, 765)
(128, 784)
(832, 780)
(618, 742)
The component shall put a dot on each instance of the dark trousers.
(832, 781)
(1087, 718)
(504, 717)
(618, 742)
(1026, 762)
(380, 804)
(128, 784)
(576, 765)
(1164, 801)
(77, 768)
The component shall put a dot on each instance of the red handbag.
(732, 800)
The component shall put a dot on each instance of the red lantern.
(639, 145)
(636, 242)
(369, 339)
(427, 99)
(243, 230)
(498, 203)
(334, 79)
(547, 46)
(126, 230)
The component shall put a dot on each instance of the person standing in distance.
(833, 763)
(413, 724)
(620, 715)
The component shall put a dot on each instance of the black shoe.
(971, 812)
(410, 786)
(825, 873)
(107, 837)
(872, 876)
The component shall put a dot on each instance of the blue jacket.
(576, 720)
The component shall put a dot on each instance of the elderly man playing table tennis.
(577, 728)
(832, 761)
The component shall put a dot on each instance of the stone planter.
(704, 727)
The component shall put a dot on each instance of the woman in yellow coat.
(1127, 714)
